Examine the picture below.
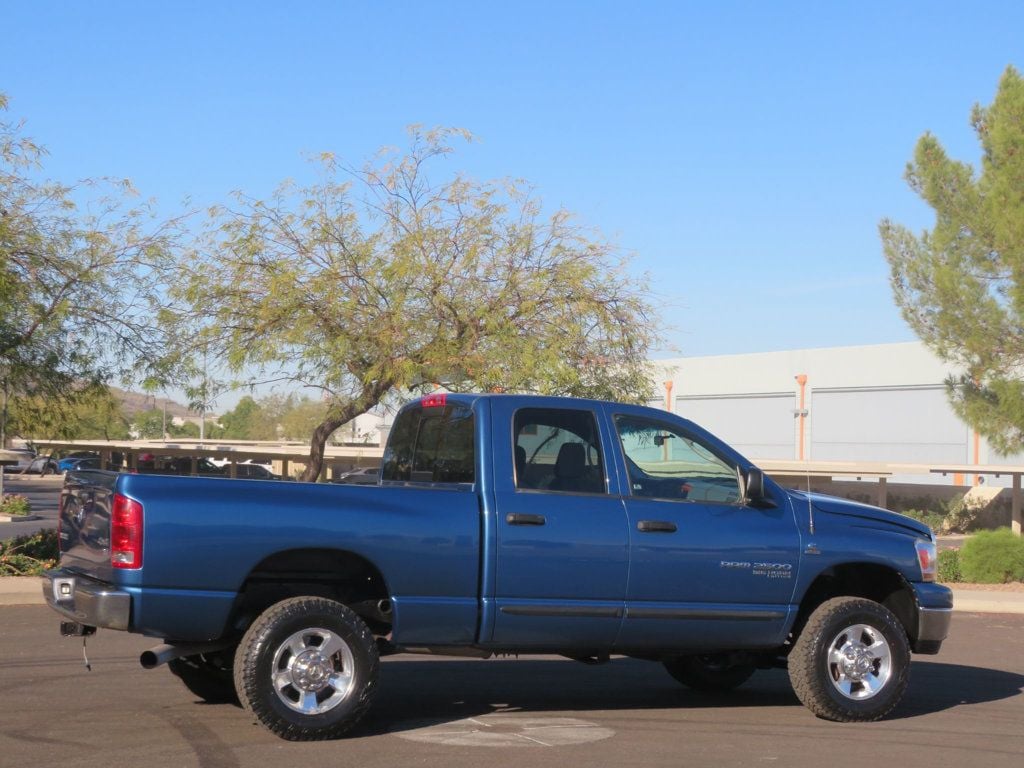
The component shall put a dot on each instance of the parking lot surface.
(964, 706)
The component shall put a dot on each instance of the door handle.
(656, 526)
(515, 518)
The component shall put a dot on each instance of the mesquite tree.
(379, 280)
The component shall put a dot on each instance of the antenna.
(810, 504)
(801, 414)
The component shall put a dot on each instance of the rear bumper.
(85, 601)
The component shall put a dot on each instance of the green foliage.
(78, 288)
(29, 555)
(377, 281)
(958, 515)
(949, 566)
(960, 286)
(961, 514)
(301, 419)
(149, 425)
(993, 557)
(244, 421)
(81, 413)
(15, 504)
(933, 520)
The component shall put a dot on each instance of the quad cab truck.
(503, 524)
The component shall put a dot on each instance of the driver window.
(665, 463)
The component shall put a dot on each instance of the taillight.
(436, 400)
(125, 533)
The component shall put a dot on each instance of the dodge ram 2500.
(503, 524)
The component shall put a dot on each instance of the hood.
(836, 506)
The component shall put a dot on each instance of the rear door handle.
(656, 526)
(515, 518)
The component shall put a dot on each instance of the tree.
(378, 280)
(149, 425)
(243, 421)
(300, 420)
(90, 414)
(961, 285)
(78, 286)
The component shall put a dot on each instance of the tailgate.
(85, 522)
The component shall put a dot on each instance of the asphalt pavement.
(963, 706)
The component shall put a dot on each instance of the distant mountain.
(135, 402)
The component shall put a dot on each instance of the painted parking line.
(503, 730)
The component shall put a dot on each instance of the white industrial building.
(882, 403)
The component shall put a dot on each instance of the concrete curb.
(19, 518)
(28, 590)
(21, 590)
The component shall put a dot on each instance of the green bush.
(961, 514)
(29, 555)
(933, 520)
(13, 504)
(949, 566)
(993, 557)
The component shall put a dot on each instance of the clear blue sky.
(744, 151)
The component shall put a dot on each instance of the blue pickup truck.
(503, 524)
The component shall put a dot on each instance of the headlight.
(926, 559)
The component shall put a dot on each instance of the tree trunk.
(369, 397)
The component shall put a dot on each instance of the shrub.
(934, 520)
(949, 566)
(13, 504)
(29, 555)
(993, 557)
(961, 513)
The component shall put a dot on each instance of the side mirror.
(756, 494)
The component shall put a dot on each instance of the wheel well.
(868, 580)
(335, 574)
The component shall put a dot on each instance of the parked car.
(40, 465)
(65, 464)
(150, 464)
(79, 464)
(359, 476)
(252, 472)
(25, 458)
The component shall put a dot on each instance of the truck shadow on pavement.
(445, 691)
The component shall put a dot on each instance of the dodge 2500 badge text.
(503, 524)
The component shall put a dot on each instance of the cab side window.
(558, 450)
(664, 462)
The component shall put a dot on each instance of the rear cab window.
(431, 443)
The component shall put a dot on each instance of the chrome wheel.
(313, 671)
(859, 662)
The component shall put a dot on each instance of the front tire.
(307, 668)
(710, 672)
(851, 662)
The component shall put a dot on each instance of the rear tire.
(710, 672)
(851, 662)
(307, 669)
(210, 677)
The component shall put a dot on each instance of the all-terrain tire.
(307, 669)
(710, 672)
(851, 662)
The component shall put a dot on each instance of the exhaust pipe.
(161, 654)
